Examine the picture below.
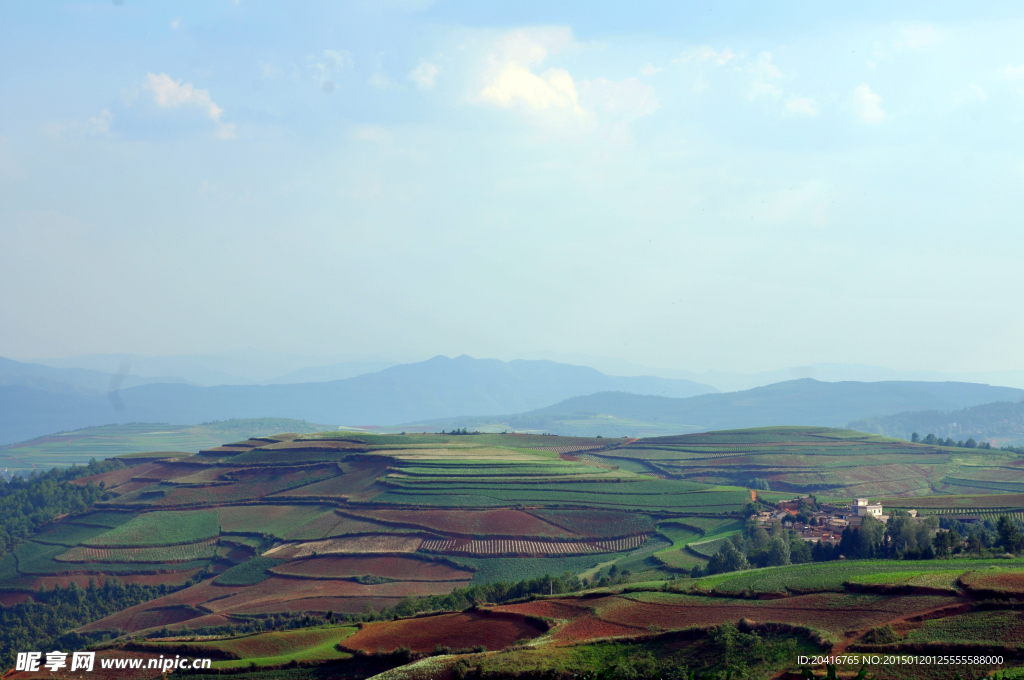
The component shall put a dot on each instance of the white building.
(865, 508)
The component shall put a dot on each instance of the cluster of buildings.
(824, 522)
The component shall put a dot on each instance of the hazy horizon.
(692, 187)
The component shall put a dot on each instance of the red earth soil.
(129, 619)
(115, 478)
(1007, 582)
(617, 616)
(401, 568)
(458, 631)
(549, 609)
(514, 523)
(11, 599)
(323, 445)
(278, 590)
(358, 477)
(590, 628)
(176, 578)
(208, 621)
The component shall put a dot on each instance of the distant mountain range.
(1001, 423)
(794, 402)
(434, 388)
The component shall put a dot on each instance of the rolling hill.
(1001, 423)
(344, 554)
(435, 388)
(802, 402)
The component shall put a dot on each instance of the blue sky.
(721, 185)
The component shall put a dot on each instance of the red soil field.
(194, 596)
(115, 478)
(163, 471)
(327, 526)
(277, 590)
(176, 578)
(208, 621)
(133, 619)
(513, 523)
(618, 616)
(401, 568)
(358, 477)
(317, 445)
(251, 484)
(11, 599)
(458, 631)
(1002, 582)
(590, 628)
(598, 523)
(549, 609)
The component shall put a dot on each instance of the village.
(822, 522)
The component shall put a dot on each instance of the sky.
(697, 185)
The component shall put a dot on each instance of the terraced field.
(352, 523)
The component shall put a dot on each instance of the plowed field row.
(174, 553)
(513, 546)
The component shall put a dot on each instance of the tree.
(728, 558)
(778, 553)
(1009, 535)
(915, 437)
(799, 549)
(945, 542)
(971, 444)
(870, 537)
(930, 439)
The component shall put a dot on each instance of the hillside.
(435, 388)
(805, 402)
(310, 555)
(1001, 423)
(77, 447)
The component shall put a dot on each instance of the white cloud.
(916, 36)
(380, 81)
(765, 75)
(170, 94)
(868, 104)
(516, 84)
(175, 24)
(509, 81)
(424, 75)
(707, 53)
(1014, 72)
(650, 70)
(805, 105)
(100, 125)
(630, 97)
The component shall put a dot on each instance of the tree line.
(902, 538)
(948, 441)
(41, 625)
(27, 503)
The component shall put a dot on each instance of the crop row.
(521, 547)
(174, 553)
(161, 528)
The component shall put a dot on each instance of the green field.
(832, 576)
(161, 528)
